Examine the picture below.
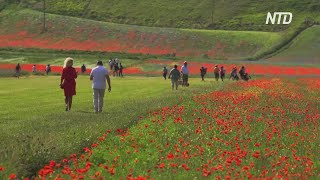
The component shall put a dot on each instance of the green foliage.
(75, 8)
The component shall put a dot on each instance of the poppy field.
(266, 128)
(154, 68)
(23, 30)
(36, 129)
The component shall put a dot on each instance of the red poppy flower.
(111, 171)
(170, 156)
(256, 154)
(12, 176)
(162, 165)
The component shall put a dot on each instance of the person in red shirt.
(68, 82)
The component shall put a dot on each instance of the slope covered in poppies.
(22, 28)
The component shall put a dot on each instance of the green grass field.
(35, 129)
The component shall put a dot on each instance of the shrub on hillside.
(73, 8)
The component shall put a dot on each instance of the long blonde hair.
(67, 61)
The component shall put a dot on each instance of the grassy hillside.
(305, 48)
(212, 14)
(22, 28)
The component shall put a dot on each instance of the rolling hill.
(22, 28)
(305, 48)
(191, 14)
(133, 26)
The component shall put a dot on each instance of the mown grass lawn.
(35, 128)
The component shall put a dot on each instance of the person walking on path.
(222, 73)
(99, 75)
(164, 73)
(216, 72)
(83, 69)
(68, 82)
(174, 76)
(203, 72)
(185, 74)
(18, 70)
(120, 70)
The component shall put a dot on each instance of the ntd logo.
(281, 16)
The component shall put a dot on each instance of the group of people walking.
(34, 69)
(219, 72)
(116, 67)
(244, 75)
(47, 68)
(100, 77)
(175, 75)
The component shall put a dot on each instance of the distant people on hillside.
(164, 73)
(174, 76)
(121, 70)
(18, 70)
(185, 74)
(34, 68)
(48, 69)
(83, 69)
(99, 75)
(68, 82)
(203, 72)
(216, 72)
(234, 74)
(222, 73)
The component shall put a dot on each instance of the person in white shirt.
(99, 75)
(185, 74)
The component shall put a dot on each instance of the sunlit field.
(264, 128)
(35, 128)
(261, 122)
